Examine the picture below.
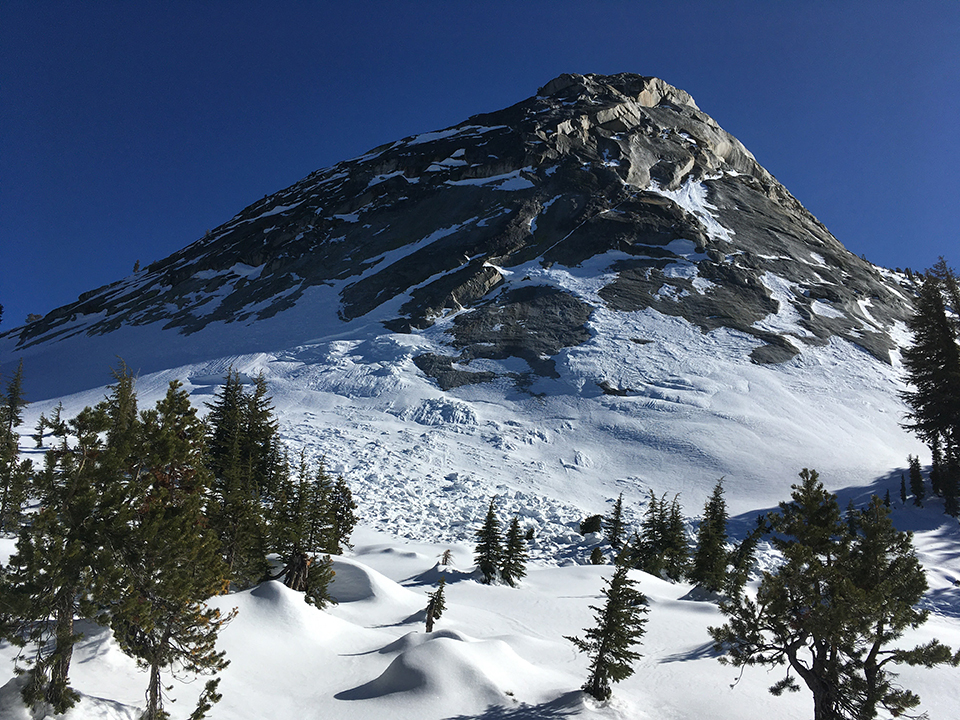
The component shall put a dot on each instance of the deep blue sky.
(127, 129)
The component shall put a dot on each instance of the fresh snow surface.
(496, 652)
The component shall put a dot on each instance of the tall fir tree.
(933, 370)
(513, 566)
(936, 469)
(321, 518)
(916, 480)
(613, 529)
(619, 626)
(14, 472)
(646, 550)
(344, 514)
(241, 445)
(489, 550)
(676, 548)
(709, 567)
(171, 561)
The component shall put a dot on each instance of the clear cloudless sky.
(127, 129)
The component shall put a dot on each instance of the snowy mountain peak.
(623, 172)
(597, 282)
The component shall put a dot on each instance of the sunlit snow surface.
(495, 653)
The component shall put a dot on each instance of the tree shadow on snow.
(567, 705)
(703, 652)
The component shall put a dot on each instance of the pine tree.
(14, 472)
(933, 369)
(831, 608)
(709, 567)
(903, 489)
(345, 519)
(916, 480)
(613, 525)
(891, 583)
(64, 565)
(619, 626)
(675, 549)
(435, 605)
(513, 566)
(320, 521)
(591, 524)
(240, 448)
(646, 550)
(171, 561)
(489, 550)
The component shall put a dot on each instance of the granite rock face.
(623, 173)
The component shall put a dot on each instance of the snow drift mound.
(448, 666)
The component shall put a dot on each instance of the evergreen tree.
(513, 566)
(950, 483)
(933, 369)
(709, 567)
(646, 552)
(241, 446)
(345, 519)
(675, 550)
(288, 511)
(596, 556)
(171, 561)
(489, 551)
(591, 524)
(916, 480)
(310, 575)
(14, 472)
(903, 489)
(436, 604)
(619, 626)
(833, 605)
(64, 565)
(890, 583)
(742, 559)
(886, 499)
(321, 519)
(613, 525)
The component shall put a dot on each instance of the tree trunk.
(58, 691)
(154, 690)
(297, 571)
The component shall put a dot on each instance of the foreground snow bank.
(498, 653)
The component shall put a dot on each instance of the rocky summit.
(620, 174)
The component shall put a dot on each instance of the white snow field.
(496, 653)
